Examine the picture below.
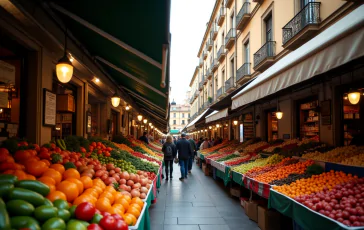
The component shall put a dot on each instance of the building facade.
(243, 39)
(179, 116)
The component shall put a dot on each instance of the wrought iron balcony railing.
(243, 13)
(266, 51)
(229, 83)
(309, 15)
(221, 52)
(200, 86)
(230, 37)
(197, 93)
(221, 17)
(215, 65)
(220, 91)
(244, 70)
(201, 60)
(213, 32)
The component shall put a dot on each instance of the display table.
(259, 188)
(143, 222)
(237, 178)
(303, 216)
(221, 171)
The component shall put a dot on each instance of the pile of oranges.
(316, 183)
(69, 185)
(283, 172)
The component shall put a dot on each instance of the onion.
(112, 172)
(143, 182)
(82, 168)
(122, 181)
(136, 186)
(104, 177)
(116, 176)
(126, 193)
(137, 179)
(90, 166)
(148, 186)
(97, 167)
(150, 181)
(123, 187)
(125, 175)
(132, 176)
(143, 190)
(109, 180)
(87, 174)
(143, 195)
(110, 166)
(140, 172)
(91, 171)
(99, 173)
(146, 175)
(117, 170)
(135, 193)
(128, 188)
(130, 182)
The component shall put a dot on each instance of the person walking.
(199, 142)
(204, 144)
(169, 151)
(184, 153)
(194, 148)
(144, 138)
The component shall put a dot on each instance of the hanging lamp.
(354, 96)
(140, 117)
(127, 107)
(115, 99)
(235, 122)
(64, 68)
(145, 121)
(279, 113)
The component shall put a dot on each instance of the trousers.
(184, 168)
(169, 167)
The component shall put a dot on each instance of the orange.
(137, 206)
(58, 167)
(46, 161)
(47, 180)
(98, 189)
(57, 176)
(78, 183)
(87, 182)
(36, 168)
(127, 198)
(117, 195)
(20, 174)
(98, 182)
(30, 177)
(91, 192)
(81, 199)
(123, 202)
(103, 204)
(130, 219)
(110, 189)
(52, 196)
(52, 187)
(70, 189)
(138, 201)
(71, 173)
(134, 211)
(108, 195)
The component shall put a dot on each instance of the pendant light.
(235, 122)
(145, 121)
(217, 125)
(64, 68)
(354, 96)
(210, 127)
(127, 107)
(279, 113)
(115, 99)
(140, 117)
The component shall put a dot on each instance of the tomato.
(36, 168)
(117, 217)
(121, 225)
(108, 223)
(70, 189)
(85, 211)
(94, 227)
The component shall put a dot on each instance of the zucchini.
(33, 185)
(4, 216)
(19, 208)
(25, 194)
(5, 188)
(8, 178)
(24, 222)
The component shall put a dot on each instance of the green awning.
(130, 41)
(174, 131)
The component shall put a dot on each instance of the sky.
(188, 26)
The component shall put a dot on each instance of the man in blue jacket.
(184, 153)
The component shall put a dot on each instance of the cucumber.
(5, 188)
(43, 213)
(24, 222)
(8, 178)
(4, 216)
(19, 208)
(33, 185)
(54, 223)
(25, 194)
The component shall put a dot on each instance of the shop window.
(272, 126)
(352, 119)
(309, 120)
(248, 126)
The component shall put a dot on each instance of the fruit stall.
(78, 183)
(304, 180)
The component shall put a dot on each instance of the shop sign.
(49, 108)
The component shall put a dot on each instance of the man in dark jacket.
(194, 148)
(144, 138)
(184, 153)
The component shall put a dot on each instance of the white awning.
(191, 125)
(322, 53)
(216, 115)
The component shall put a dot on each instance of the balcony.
(243, 16)
(204, 54)
(201, 61)
(230, 38)
(220, 92)
(229, 85)
(302, 27)
(205, 80)
(221, 17)
(213, 32)
(209, 72)
(209, 44)
(228, 3)
(264, 57)
(200, 85)
(196, 93)
(243, 73)
(192, 100)
(221, 53)
(215, 65)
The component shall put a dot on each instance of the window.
(189, 115)
(232, 21)
(268, 28)
(222, 38)
(232, 67)
(183, 115)
(246, 52)
(174, 122)
(174, 127)
(223, 76)
(183, 122)
(216, 84)
(174, 114)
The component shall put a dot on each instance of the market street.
(197, 203)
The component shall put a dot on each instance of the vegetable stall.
(78, 183)
(304, 180)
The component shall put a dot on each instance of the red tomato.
(85, 211)
(117, 217)
(108, 223)
(83, 150)
(121, 225)
(94, 227)
(53, 146)
(99, 152)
